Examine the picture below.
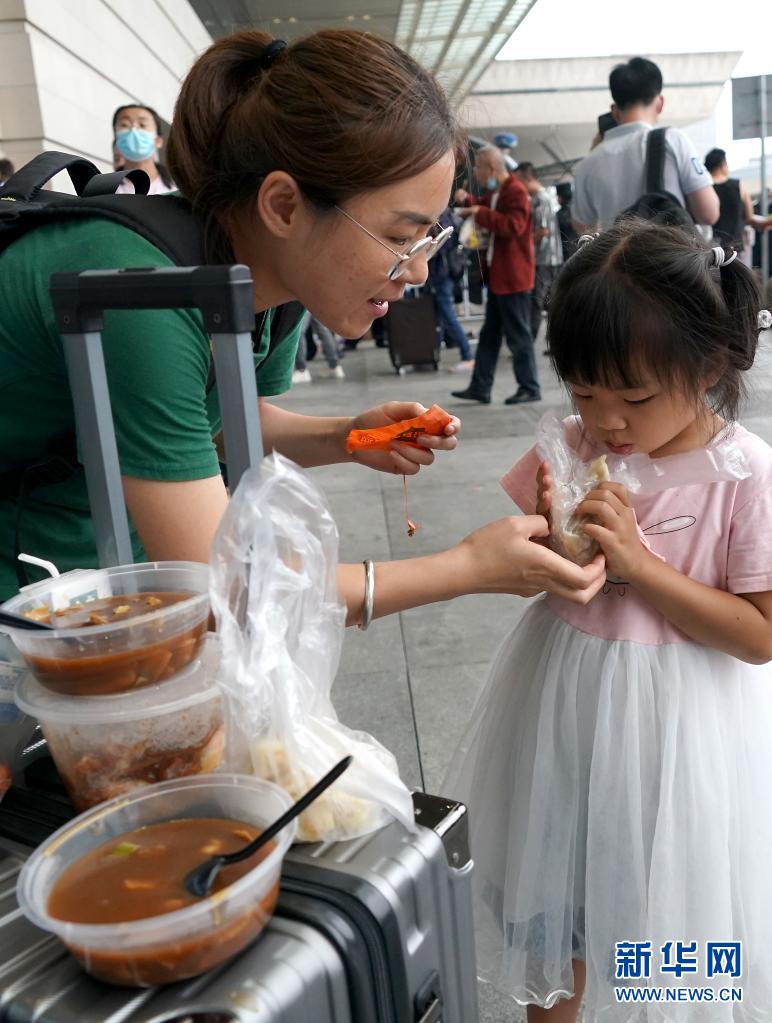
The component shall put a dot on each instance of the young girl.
(619, 765)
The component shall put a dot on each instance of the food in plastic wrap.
(557, 442)
(334, 811)
(281, 625)
(568, 534)
(573, 479)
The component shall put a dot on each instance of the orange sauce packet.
(433, 421)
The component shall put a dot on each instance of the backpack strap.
(106, 184)
(29, 179)
(655, 160)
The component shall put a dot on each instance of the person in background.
(315, 333)
(441, 283)
(568, 235)
(548, 249)
(6, 171)
(504, 211)
(611, 177)
(506, 142)
(735, 204)
(137, 144)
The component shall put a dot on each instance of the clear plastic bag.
(274, 595)
(721, 461)
(573, 480)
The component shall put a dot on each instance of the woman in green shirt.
(323, 166)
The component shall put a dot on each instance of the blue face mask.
(135, 144)
(491, 184)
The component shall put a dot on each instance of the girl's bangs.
(603, 332)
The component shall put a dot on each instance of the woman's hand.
(402, 458)
(461, 195)
(615, 528)
(502, 557)
(468, 211)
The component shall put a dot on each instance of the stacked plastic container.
(131, 702)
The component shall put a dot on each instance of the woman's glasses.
(430, 245)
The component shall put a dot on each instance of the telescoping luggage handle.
(224, 296)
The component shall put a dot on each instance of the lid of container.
(195, 684)
(84, 584)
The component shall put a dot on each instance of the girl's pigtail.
(742, 298)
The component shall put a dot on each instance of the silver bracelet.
(367, 612)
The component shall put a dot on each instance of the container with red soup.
(105, 746)
(115, 629)
(137, 925)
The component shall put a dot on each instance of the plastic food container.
(105, 746)
(113, 658)
(184, 943)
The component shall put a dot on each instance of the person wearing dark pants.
(441, 285)
(545, 276)
(507, 315)
(548, 247)
(505, 212)
(454, 333)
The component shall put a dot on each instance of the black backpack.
(166, 221)
(656, 204)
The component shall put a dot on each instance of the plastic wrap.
(573, 481)
(721, 461)
(281, 626)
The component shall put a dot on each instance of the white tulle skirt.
(619, 792)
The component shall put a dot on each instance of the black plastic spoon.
(20, 622)
(200, 879)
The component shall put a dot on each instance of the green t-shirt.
(157, 364)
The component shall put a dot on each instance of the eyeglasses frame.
(432, 242)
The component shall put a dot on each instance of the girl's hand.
(402, 458)
(502, 557)
(544, 482)
(615, 528)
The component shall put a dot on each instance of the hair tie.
(270, 53)
(720, 257)
(585, 239)
(765, 319)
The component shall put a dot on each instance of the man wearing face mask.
(138, 141)
(504, 211)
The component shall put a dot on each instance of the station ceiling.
(456, 39)
(552, 105)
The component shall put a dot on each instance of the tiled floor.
(411, 680)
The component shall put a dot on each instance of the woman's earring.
(765, 319)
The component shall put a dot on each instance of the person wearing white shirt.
(137, 145)
(612, 176)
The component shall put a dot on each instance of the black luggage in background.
(412, 327)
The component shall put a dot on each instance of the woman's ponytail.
(342, 112)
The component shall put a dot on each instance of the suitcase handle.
(224, 295)
(433, 1014)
